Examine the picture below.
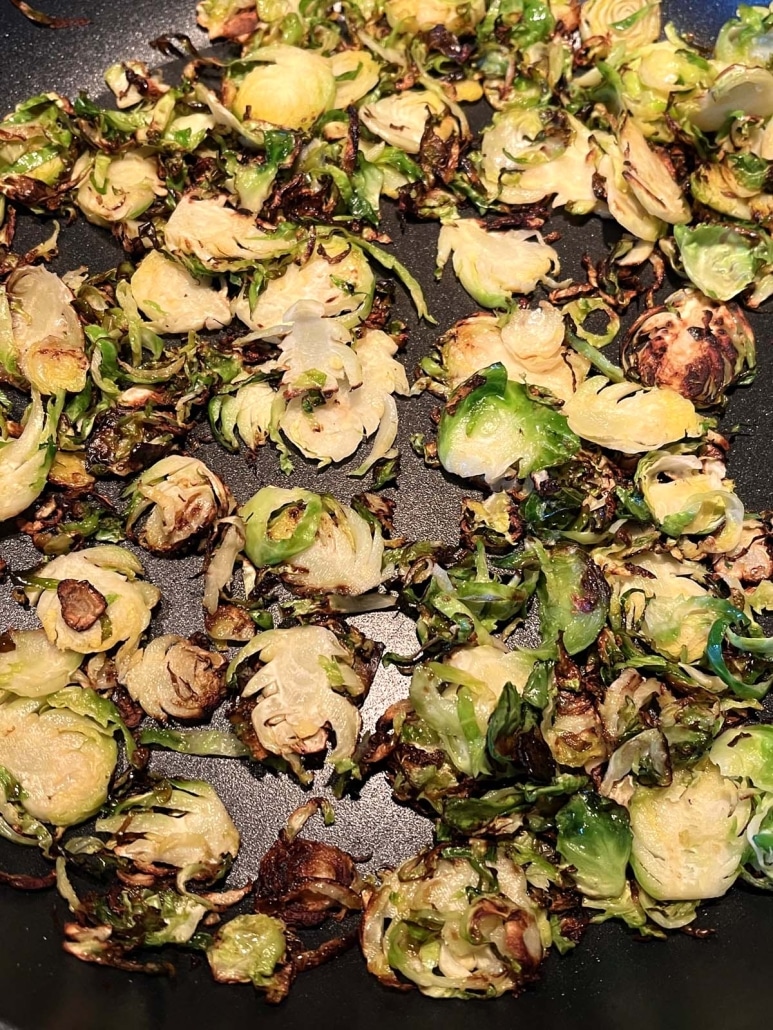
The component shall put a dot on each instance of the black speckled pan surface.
(611, 981)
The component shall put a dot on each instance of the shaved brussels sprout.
(47, 345)
(31, 666)
(118, 189)
(690, 344)
(456, 922)
(314, 542)
(414, 16)
(185, 500)
(529, 343)
(252, 949)
(455, 701)
(688, 838)
(25, 461)
(747, 38)
(62, 759)
(594, 837)
(336, 276)
(37, 144)
(356, 383)
(173, 300)
(631, 22)
(356, 73)
(181, 824)
(530, 153)
(288, 87)
(219, 237)
(303, 681)
(746, 753)
(690, 495)
(91, 600)
(628, 418)
(737, 88)
(660, 598)
(493, 428)
(173, 676)
(401, 119)
(722, 260)
(492, 266)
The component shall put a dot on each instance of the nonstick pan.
(612, 980)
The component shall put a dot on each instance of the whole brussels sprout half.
(594, 836)
(26, 460)
(633, 23)
(288, 87)
(492, 266)
(173, 676)
(303, 680)
(252, 949)
(120, 188)
(47, 345)
(336, 276)
(313, 541)
(182, 499)
(492, 428)
(628, 418)
(63, 759)
(93, 599)
(529, 343)
(722, 260)
(692, 344)
(174, 300)
(746, 752)
(219, 237)
(688, 838)
(177, 824)
(400, 119)
(31, 666)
